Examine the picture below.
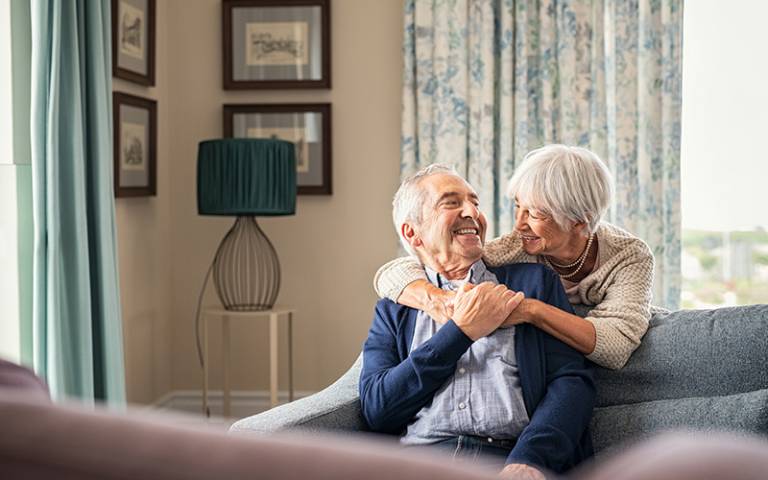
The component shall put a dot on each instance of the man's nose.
(470, 210)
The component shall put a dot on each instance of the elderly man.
(473, 385)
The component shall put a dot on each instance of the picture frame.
(135, 145)
(133, 41)
(276, 44)
(307, 125)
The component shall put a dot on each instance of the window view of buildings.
(724, 161)
(724, 268)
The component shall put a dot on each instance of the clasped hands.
(477, 310)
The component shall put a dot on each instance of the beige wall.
(329, 250)
(144, 253)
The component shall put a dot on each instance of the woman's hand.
(439, 304)
(422, 295)
(524, 313)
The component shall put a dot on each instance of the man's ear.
(410, 235)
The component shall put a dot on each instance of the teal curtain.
(77, 333)
(486, 81)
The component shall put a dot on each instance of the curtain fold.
(77, 330)
(486, 81)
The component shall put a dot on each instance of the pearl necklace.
(579, 261)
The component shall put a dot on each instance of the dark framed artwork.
(135, 145)
(307, 125)
(276, 44)
(133, 40)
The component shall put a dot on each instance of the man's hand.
(519, 471)
(479, 310)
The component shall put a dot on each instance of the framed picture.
(307, 125)
(133, 40)
(135, 145)
(276, 44)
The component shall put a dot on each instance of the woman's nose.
(520, 218)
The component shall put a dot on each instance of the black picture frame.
(314, 175)
(133, 41)
(284, 51)
(135, 145)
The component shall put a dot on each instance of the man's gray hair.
(570, 184)
(408, 203)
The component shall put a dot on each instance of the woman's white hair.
(570, 184)
(408, 203)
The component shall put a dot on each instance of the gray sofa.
(702, 370)
(42, 440)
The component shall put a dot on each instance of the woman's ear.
(582, 228)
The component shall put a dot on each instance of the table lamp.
(245, 178)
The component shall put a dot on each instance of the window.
(724, 156)
(15, 182)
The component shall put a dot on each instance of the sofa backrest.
(14, 377)
(42, 441)
(693, 353)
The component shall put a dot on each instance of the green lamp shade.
(246, 176)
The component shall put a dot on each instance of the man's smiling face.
(453, 228)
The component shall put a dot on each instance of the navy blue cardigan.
(556, 380)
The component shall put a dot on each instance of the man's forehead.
(446, 184)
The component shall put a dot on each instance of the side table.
(275, 314)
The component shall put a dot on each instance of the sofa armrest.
(337, 407)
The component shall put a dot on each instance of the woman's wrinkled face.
(540, 233)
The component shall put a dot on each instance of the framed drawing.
(135, 145)
(276, 44)
(133, 40)
(307, 125)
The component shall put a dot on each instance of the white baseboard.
(243, 402)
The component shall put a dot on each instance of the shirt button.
(462, 406)
(462, 370)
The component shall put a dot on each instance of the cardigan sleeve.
(504, 250)
(621, 318)
(392, 389)
(561, 416)
(551, 439)
(392, 277)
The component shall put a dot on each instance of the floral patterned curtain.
(486, 81)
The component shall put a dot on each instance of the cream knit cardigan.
(618, 291)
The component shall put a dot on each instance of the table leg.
(225, 362)
(290, 356)
(206, 411)
(273, 359)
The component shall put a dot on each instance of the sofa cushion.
(693, 353)
(744, 412)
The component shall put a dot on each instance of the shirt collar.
(476, 272)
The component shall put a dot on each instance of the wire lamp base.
(246, 271)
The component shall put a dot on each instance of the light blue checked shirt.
(483, 398)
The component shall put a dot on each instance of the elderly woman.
(560, 193)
